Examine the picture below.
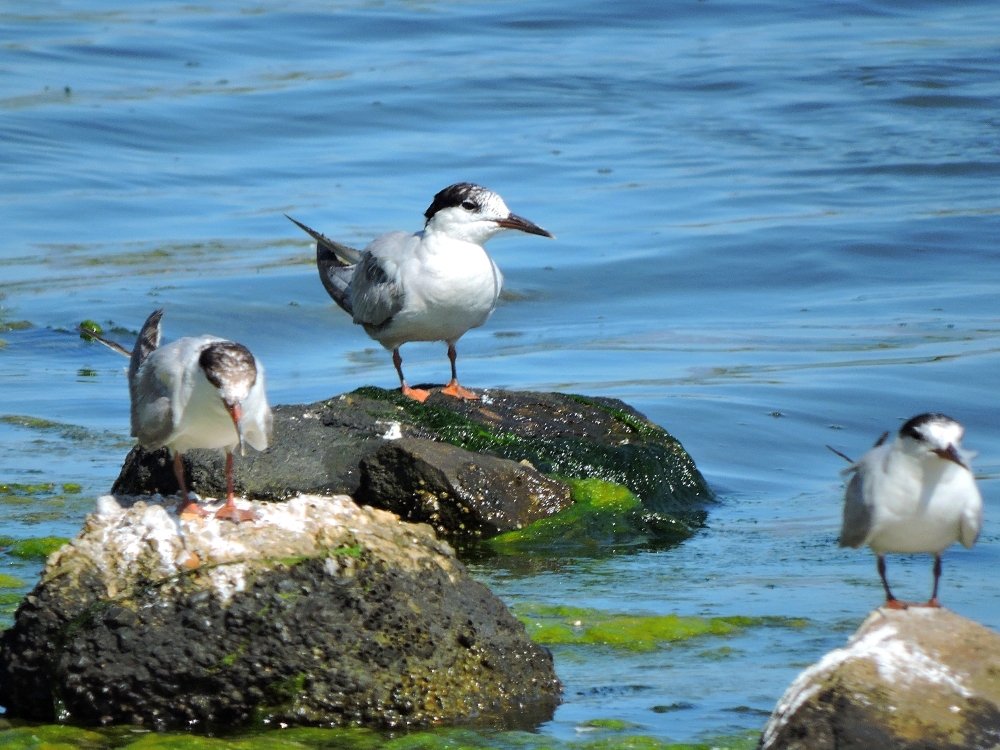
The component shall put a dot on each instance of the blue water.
(778, 227)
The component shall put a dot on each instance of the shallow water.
(777, 228)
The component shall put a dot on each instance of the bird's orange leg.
(453, 388)
(187, 506)
(229, 511)
(417, 394)
(891, 602)
(933, 601)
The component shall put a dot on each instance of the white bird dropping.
(430, 286)
(914, 494)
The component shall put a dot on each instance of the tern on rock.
(430, 286)
(196, 392)
(913, 494)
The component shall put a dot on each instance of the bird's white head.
(231, 368)
(934, 434)
(474, 214)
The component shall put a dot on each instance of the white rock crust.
(133, 541)
(896, 661)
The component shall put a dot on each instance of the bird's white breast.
(919, 506)
(450, 286)
(203, 421)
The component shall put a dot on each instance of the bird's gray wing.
(376, 294)
(152, 415)
(857, 512)
(335, 263)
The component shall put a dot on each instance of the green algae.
(68, 431)
(650, 463)
(609, 725)
(603, 514)
(15, 325)
(72, 488)
(51, 737)
(13, 488)
(65, 431)
(89, 325)
(10, 582)
(60, 737)
(563, 625)
(31, 549)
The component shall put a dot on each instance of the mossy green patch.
(66, 431)
(51, 737)
(31, 549)
(58, 737)
(15, 325)
(10, 582)
(14, 488)
(89, 325)
(609, 725)
(72, 488)
(603, 514)
(649, 462)
(356, 552)
(557, 624)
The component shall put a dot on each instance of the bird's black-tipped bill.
(951, 454)
(523, 225)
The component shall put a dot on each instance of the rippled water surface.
(778, 227)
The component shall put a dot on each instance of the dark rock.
(318, 448)
(456, 491)
(319, 612)
(920, 678)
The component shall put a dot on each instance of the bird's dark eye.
(469, 205)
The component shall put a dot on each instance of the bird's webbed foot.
(417, 394)
(456, 391)
(187, 508)
(229, 512)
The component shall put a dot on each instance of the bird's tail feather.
(335, 263)
(346, 256)
(147, 343)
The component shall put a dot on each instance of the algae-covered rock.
(319, 612)
(457, 491)
(604, 515)
(916, 678)
(318, 448)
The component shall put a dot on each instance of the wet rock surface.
(319, 612)
(457, 491)
(917, 678)
(318, 448)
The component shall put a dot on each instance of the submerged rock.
(319, 448)
(916, 678)
(319, 612)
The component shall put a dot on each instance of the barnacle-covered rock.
(319, 612)
(915, 679)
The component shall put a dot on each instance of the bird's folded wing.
(257, 417)
(152, 415)
(857, 513)
(376, 294)
(972, 522)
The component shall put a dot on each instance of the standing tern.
(196, 392)
(914, 494)
(430, 286)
